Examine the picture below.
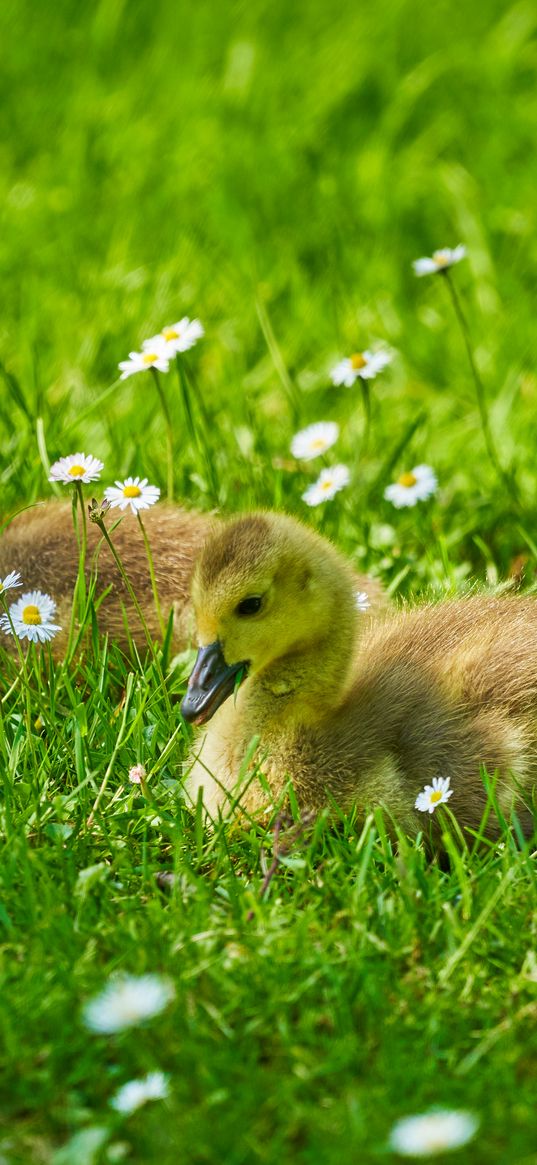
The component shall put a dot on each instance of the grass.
(273, 172)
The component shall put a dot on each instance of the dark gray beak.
(211, 682)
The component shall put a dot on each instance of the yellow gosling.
(349, 709)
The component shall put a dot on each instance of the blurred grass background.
(202, 159)
(276, 164)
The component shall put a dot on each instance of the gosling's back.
(440, 691)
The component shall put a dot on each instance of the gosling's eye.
(249, 606)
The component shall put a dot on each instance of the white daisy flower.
(154, 1086)
(133, 492)
(31, 618)
(433, 795)
(414, 486)
(314, 440)
(126, 1001)
(362, 600)
(155, 354)
(439, 261)
(329, 482)
(76, 467)
(177, 337)
(137, 774)
(433, 1132)
(361, 364)
(10, 581)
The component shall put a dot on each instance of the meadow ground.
(272, 170)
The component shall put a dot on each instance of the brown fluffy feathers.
(41, 544)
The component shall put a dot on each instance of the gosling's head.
(265, 588)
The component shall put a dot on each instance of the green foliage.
(273, 170)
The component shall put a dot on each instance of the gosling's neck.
(310, 681)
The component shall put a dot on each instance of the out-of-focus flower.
(314, 440)
(439, 261)
(127, 1000)
(177, 337)
(414, 486)
(154, 1086)
(361, 364)
(433, 1132)
(155, 355)
(329, 482)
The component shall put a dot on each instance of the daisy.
(155, 354)
(360, 364)
(362, 600)
(433, 795)
(137, 774)
(414, 486)
(31, 618)
(133, 492)
(329, 482)
(177, 337)
(126, 1001)
(440, 260)
(76, 467)
(154, 1086)
(433, 1132)
(316, 439)
(10, 581)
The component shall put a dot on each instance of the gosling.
(40, 543)
(353, 711)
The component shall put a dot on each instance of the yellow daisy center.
(31, 615)
(326, 485)
(357, 361)
(441, 258)
(150, 357)
(318, 443)
(77, 470)
(436, 796)
(131, 491)
(407, 480)
(170, 334)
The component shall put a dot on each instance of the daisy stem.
(74, 502)
(366, 401)
(169, 432)
(126, 580)
(132, 595)
(79, 593)
(83, 550)
(151, 564)
(23, 660)
(505, 477)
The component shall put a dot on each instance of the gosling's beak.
(211, 682)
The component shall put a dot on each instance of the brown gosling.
(354, 711)
(41, 544)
